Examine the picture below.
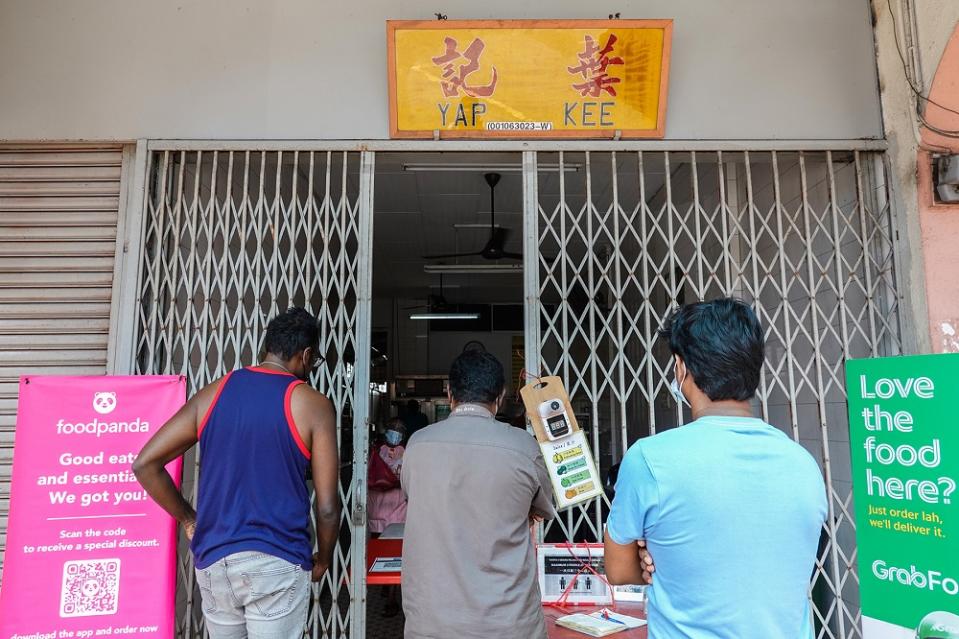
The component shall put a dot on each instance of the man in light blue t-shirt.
(729, 507)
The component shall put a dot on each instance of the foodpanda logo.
(104, 403)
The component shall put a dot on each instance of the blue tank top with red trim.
(252, 493)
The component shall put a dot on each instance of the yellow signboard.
(528, 78)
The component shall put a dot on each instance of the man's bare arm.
(629, 564)
(173, 439)
(313, 408)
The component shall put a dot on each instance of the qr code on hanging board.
(91, 587)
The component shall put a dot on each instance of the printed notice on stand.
(88, 552)
(904, 441)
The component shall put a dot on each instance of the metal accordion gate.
(613, 241)
(229, 239)
(616, 240)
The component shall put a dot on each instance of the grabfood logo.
(104, 403)
(916, 578)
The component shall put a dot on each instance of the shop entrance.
(447, 276)
(447, 273)
(610, 241)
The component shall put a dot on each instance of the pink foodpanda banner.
(88, 552)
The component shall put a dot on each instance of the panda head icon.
(104, 403)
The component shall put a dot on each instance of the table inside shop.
(390, 545)
(625, 608)
(385, 547)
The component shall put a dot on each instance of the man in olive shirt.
(474, 487)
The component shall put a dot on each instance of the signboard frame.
(392, 26)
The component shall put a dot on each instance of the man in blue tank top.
(262, 430)
(729, 508)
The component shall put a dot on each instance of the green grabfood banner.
(904, 442)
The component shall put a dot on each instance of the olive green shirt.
(469, 563)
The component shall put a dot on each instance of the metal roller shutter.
(58, 228)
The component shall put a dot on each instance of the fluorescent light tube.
(475, 269)
(444, 316)
(485, 168)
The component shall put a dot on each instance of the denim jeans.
(251, 594)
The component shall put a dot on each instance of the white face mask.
(675, 388)
(393, 437)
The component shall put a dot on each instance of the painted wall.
(127, 69)
(932, 230)
(940, 222)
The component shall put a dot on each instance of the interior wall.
(415, 350)
(278, 69)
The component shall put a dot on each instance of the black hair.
(721, 343)
(413, 406)
(476, 376)
(290, 333)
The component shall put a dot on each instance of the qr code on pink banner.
(90, 587)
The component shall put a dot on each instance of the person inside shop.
(722, 515)
(414, 419)
(386, 503)
(474, 485)
(261, 430)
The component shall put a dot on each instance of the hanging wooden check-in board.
(569, 460)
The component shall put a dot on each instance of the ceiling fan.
(494, 249)
(435, 303)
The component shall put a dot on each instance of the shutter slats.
(59, 173)
(65, 308)
(73, 279)
(62, 158)
(65, 204)
(89, 233)
(55, 219)
(58, 217)
(72, 342)
(55, 249)
(53, 264)
(65, 188)
(38, 295)
(46, 325)
(67, 367)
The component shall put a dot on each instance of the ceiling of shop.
(415, 214)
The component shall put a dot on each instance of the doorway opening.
(447, 276)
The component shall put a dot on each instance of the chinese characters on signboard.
(593, 64)
(455, 76)
(526, 78)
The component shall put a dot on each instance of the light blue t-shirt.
(731, 510)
